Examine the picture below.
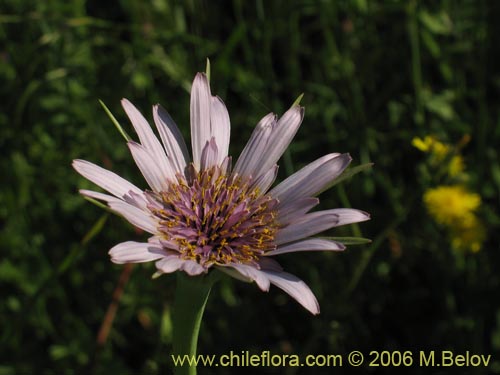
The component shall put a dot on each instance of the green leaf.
(438, 23)
(441, 104)
(207, 70)
(349, 240)
(431, 44)
(297, 101)
(98, 204)
(115, 122)
(96, 229)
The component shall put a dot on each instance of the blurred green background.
(375, 74)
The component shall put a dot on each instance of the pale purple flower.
(203, 213)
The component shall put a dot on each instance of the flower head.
(442, 154)
(203, 213)
(455, 208)
(451, 205)
(432, 145)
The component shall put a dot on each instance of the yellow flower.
(456, 166)
(422, 144)
(470, 237)
(452, 206)
(430, 144)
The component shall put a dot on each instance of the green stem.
(191, 296)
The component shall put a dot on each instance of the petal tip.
(201, 76)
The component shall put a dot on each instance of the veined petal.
(254, 274)
(135, 216)
(220, 127)
(315, 222)
(132, 198)
(105, 179)
(312, 178)
(296, 288)
(155, 176)
(172, 138)
(308, 225)
(225, 166)
(293, 210)
(169, 264)
(235, 274)
(311, 244)
(248, 163)
(201, 100)
(192, 268)
(135, 252)
(349, 215)
(209, 155)
(172, 263)
(146, 136)
(137, 200)
(281, 136)
(264, 181)
(269, 264)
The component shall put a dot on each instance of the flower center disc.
(216, 219)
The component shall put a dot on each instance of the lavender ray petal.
(269, 264)
(281, 136)
(169, 264)
(349, 215)
(296, 288)
(264, 181)
(200, 116)
(209, 156)
(312, 244)
(248, 162)
(233, 273)
(135, 216)
(316, 222)
(135, 252)
(156, 177)
(220, 127)
(192, 268)
(308, 225)
(105, 179)
(254, 274)
(312, 178)
(293, 210)
(146, 136)
(172, 138)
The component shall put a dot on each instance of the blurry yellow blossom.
(468, 237)
(442, 154)
(421, 144)
(431, 145)
(454, 207)
(456, 166)
(450, 205)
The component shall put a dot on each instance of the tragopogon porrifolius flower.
(202, 213)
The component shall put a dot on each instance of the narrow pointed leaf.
(349, 240)
(98, 204)
(207, 69)
(297, 101)
(115, 122)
